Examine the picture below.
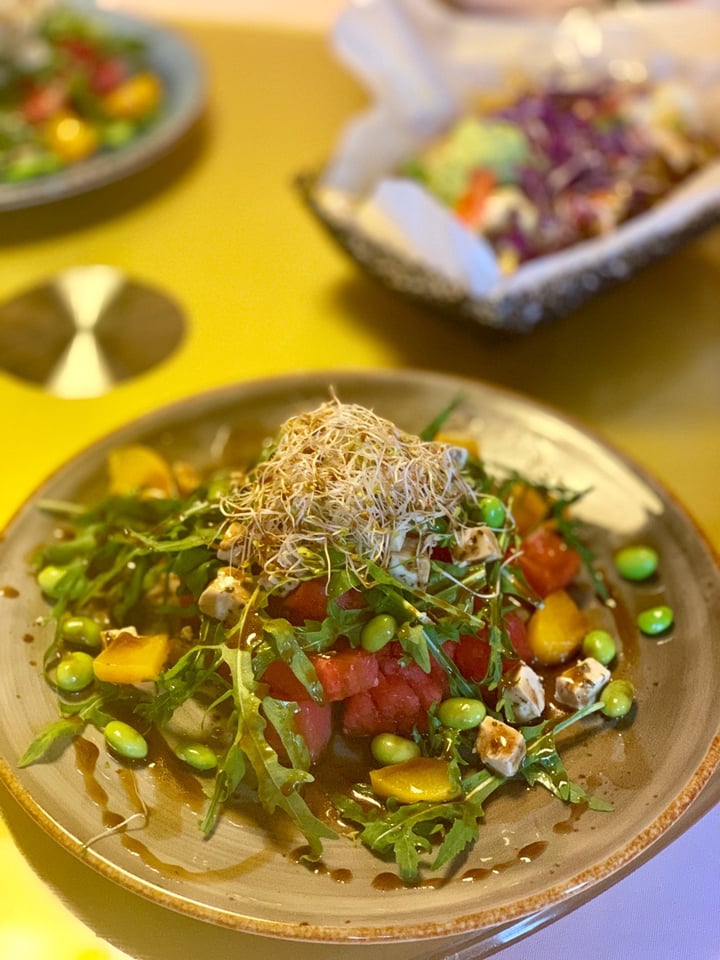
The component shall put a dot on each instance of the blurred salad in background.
(542, 169)
(69, 88)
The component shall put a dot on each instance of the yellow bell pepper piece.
(422, 778)
(555, 630)
(70, 137)
(134, 98)
(528, 506)
(129, 658)
(137, 467)
(465, 440)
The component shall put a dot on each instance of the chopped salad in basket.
(354, 584)
(538, 171)
(69, 89)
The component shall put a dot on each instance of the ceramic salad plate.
(181, 73)
(139, 825)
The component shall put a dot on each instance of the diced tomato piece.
(313, 721)
(399, 703)
(41, 103)
(529, 507)
(471, 206)
(342, 673)
(108, 74)
(430, 687)
(283, 683)
(517, 634)
(79, 49)
(351, 600)
(442, 554)
(547, 561)
(472, 653)
(361, 717)
(394, 707)
(346, 672)
(472, 656)
(400, 700)
(309, 601)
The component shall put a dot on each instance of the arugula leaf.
(281, 714)
(231, 771)
(75, 718)
(498, 637)
(400, 833)
(568, 530)
(182, 681)
(414, 642)
(122, 540)
(543, 764)
(157, 544)
(463, 832)
(64, 551)
(282, 639)
(406, 831)
(277, 785)
(385, 596)
(318, 637)
(53, 734)
(196, 566)
(437, 423)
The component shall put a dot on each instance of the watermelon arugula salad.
(354, 584)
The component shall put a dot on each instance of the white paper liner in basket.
(423, 63)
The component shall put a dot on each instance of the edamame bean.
(492, 510)
(30, 165)
(655, 620)
(49, 578)
(75, 672)
(600, 645)
(125, 740)
(388, 748)
(378, 632)
(617, 698)
(117, 133)
(197, 755)
(461, 713)
(67, 550)
(636, 562)
(82, 631)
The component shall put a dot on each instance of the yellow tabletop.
(219, 225)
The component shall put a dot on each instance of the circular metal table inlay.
(87, 329)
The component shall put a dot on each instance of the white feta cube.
(473, 544)
(500, 746)
(226, 550)
(410, 567)
(524, 689)
(109, 635)
(225, 596)
(580, 684)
